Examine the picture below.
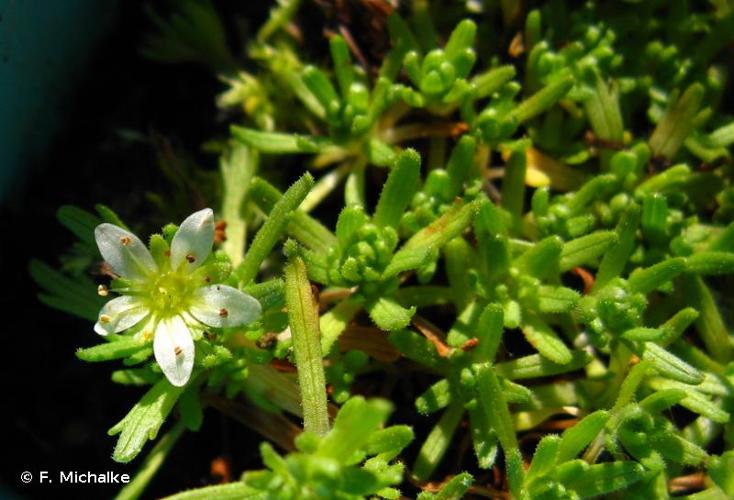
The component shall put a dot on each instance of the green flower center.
(170, 293)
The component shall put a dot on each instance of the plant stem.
(303, 319)
(273, 228)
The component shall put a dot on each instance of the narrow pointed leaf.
(144, 420)
(401, 185)
(277, 142)
(586, 249)
(545, 340)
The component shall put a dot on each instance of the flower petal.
(128, 256)
(174, 350)
(120, 314)
(222, 306)
(193, 241)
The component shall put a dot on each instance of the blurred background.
(78, 108)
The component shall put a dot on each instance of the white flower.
(170, 296)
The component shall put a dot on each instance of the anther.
(125, 240)
(104, 318)
(102, 291)
(190, 258)
(223, 312)
(177, 351)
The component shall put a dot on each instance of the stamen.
(125, 240)
(223, 312)
(102, 291)
(167, 253)
(177, 351)
(147, 335)
(104, 318)
(190, 258)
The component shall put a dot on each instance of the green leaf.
(710, 324)
(455, 488)
(135, 376)
(556, 299)
(461, 38)
(436, 397)
(544, 458)
(431, 238)
(484, 439)
(334, 322)
(648, 279)
(342, 63)
(513, 183)
(670, 365)
(407, 259)
(491, 81)
(152, 463)
(437, 442)
(230, 491)
(711, 263)
(602, 108)
(64, 293)
(270, 294)
(577, 437)
(277, 142)
(724, 241)
(675, 326)
(301, 226)
(398, 190)
(389, 442)
(615, 259)
(693, 400)
(303, 318)
(667, 180)
(78, 221)
(355, 423)
(494, 406)
(237, 167)
(460, 164)
(380, 153)
(489, 333)
(545, 340)
(189, 405)
(350, 220)
(542, 100)
(662, 400)
(320, 86)
(677, 449)
(721, 470)
(586, 249)
(117, 349)
(534, 366)
(108, 215)
(591, 191)
(677, 123)
(416, 347)
(144, 420)
(599, 479)
(272, 230)
(515, 471)
(388, 314)
(542, 259)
